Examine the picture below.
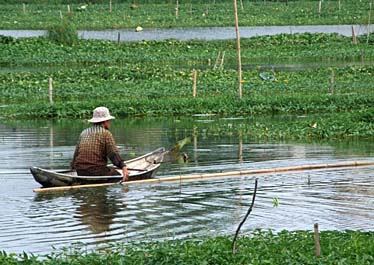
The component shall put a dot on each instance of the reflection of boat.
(142, 167)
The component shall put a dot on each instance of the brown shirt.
(95, 146)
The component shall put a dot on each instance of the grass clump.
(63, 33)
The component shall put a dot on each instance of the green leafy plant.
(63, 33)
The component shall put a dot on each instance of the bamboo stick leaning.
(216, 175)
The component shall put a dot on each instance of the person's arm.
(72, 164)
(114, 156)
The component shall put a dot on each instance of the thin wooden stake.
(316, 240)
(222, 59)
(110, 6)
(319, 7)
(194, 87)
(238, 49)
(61, 15)
(339, 4)
(69, 9)
(191, 10)
(24, 8)
(51, 91)
(206, 13)
(177, 9)
(354, 38)
(332, 82)
(119, 37)
(217, 59)
(241, 5)
(368, 34)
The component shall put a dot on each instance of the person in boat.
(95, 145)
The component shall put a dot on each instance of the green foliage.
(63, 33)
(261, 247)
(192, 13)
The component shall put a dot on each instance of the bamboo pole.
(238, 48)
(368, 33)
(316, 240)
(194, 87)
(177, 9)
(222, 59)
(69, 9)
(110, 6)
(24, 8)
(179, 178)
(217, 59)
(50, 90)
(332, 82)
(241, 5)
(319, 7)
(61, 17)
(354, 38)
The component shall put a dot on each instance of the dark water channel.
(335, 198)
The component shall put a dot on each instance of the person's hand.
(125, 174)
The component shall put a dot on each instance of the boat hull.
(142, 167)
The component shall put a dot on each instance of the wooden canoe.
(142, 167)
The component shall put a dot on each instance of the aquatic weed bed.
(144, 78)
(199, 54)
(37, 14)
(262, 247)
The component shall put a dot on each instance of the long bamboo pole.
(238, 48)
(216, 175)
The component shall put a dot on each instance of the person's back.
(96, 144)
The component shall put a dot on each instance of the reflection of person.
(95, 145)
(97, 209)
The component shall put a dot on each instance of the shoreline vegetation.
(115, 14)
(261, 247)
(155, 78)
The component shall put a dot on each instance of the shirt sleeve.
(72, 164)
(113, 152)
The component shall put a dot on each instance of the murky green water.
(335, 198)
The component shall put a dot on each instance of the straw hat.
(101, 114)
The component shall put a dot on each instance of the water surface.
(206, 33)
(335, 198)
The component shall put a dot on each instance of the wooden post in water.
(222, 59)
(332, 82)
(319, 7)
(316, 240)
(194, 87)
(51, 91)
(177, 9)
(119, 37)
(241, 5)
(368, 34)
(354, 38)
(217, 59)
(238, 49)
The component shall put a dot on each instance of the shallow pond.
(335, 198)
